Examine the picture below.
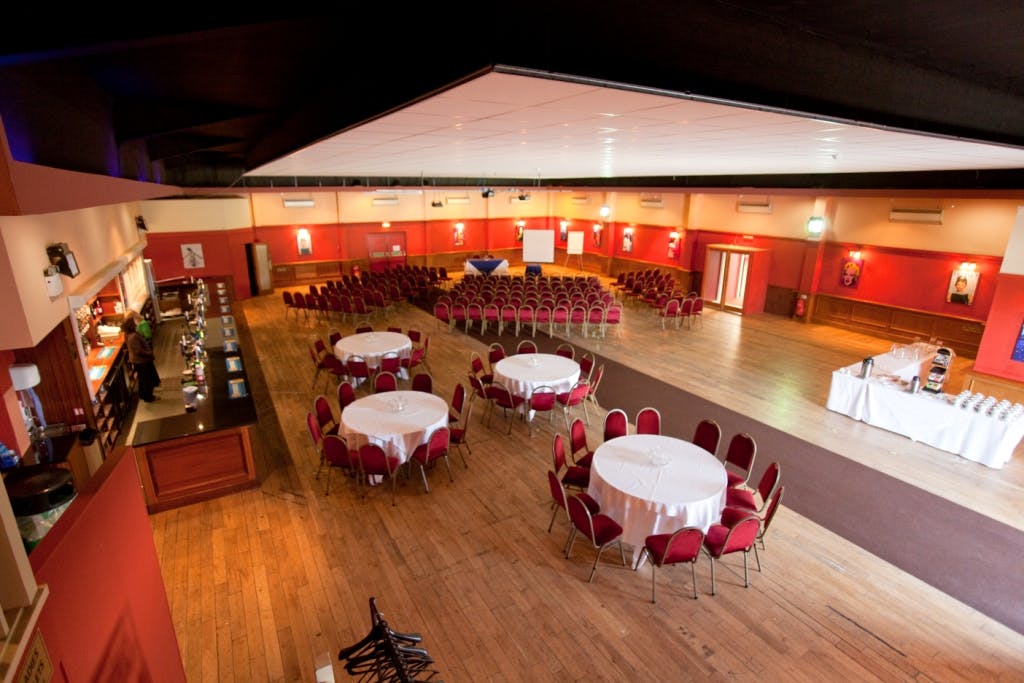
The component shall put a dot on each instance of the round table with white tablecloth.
(524, 372)
(372, 346)
(399, 421)
(652, 484)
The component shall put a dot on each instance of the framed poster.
(192, 255)
(849, 273)
(962, 285)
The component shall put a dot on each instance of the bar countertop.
(221, 408)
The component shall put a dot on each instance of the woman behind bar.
(140, 355)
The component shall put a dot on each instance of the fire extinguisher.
(801, 306)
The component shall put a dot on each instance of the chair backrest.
(422, 381)
(578, 437)
(500, 394)
(313, 427)
(742, 535)
(391, 362)
(334, 337)
(392, 328)
(770, 479)
(586, 364)
(324, 414)
(286, 296)
(616, 423)
(479, 390)
(346, 394)
(542, 398)
(595, 378)
(707, 435)
(648, 421)
(476, 364)
(558, 452)
(320, 347)
(526, 346)
(415, 336)
(773, 506)
(567, 350)
(683, 546)
(458, 398)
(495, 352)
(579, 392)
(374, 460)
(580, 515)
(336, 452)
(384, 381)
(742, 451)
(357, 367)
(698, 306)
(557, 490)
(671, 308)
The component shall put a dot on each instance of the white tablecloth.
(648, 498)
(375, 419)
(524, 372)
(925, 417)
(905, 363)
(372, 345)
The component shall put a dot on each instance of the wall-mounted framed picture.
(192, 255)
(850, 272)
(962, 286)
(459, 234)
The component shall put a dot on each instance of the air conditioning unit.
(651, 202)
(754, 206)
(385, 201)
(463, 199)
(581, 199)
(299, 203)
(933, 216)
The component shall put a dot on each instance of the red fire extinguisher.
(801, 306)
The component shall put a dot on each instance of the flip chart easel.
(574, 248)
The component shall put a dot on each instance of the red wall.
(910, 279)
(787, 255)
(107, 616)
(223, 253)
(1006, 316)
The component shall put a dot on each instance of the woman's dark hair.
(128, 326)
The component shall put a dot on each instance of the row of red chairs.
(587, 321)
(682, 310)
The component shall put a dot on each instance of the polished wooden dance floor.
(262, 582)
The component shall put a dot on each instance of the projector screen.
(538, 246)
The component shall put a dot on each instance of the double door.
(735, 278)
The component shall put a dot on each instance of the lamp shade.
(24, 375)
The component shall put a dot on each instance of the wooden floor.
(263, 582)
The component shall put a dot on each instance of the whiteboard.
(538, 246)
(575, 245)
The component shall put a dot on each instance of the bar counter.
(187, 457)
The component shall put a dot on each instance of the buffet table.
(884, 401)
(486, 266)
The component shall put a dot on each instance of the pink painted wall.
(107, 617)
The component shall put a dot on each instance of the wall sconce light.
(855, 254)
(969, 265)
(815, 225)
(604, 211)
(385, 225)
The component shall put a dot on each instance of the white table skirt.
(375, 419)
(648, 498)
(926, 417)
(372, 346)
(522, 376)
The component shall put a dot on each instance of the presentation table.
(486, 266)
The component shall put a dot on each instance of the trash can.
(39, 496)
(91, 449)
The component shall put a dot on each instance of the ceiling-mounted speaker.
(933, 216)
(63, 258)
(140, 223)
(385, 201)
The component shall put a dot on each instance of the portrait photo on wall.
(519, 232)
(563, 232)
(459, 235)
(627, 241)
(962, 285)
(849, 274)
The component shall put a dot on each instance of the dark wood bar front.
(191, 456)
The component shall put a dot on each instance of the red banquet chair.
(683, 545)
(735, 534)
(600, 529)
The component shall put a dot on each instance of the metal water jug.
(865, 367)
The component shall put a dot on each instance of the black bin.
(39, 496)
